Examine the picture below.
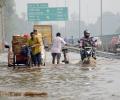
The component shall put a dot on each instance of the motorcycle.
(88, 55)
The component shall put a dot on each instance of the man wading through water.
(56, 48)
(35, 44)
(41, 47)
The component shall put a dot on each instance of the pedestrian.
(34, 42)
(56, 48)
(39, 36)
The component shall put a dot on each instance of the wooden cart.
(18, 59)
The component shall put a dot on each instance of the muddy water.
(64, 82)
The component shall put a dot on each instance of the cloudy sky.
(90, 9)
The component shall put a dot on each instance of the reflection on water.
(65, 82)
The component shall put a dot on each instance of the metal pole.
(101, 19)
(0, 29)
(74, 30)
(65, 21)
(2, 13)
(101, 26)
(79, 19)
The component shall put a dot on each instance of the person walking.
(34, 42)
(41, 47)
(56, 48)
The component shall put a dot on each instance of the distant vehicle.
(117, 48)
(98, 43)
(46, 32)
(114, 44)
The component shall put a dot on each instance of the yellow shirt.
(36, 43)
(39, 36)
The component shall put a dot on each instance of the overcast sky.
(90, 9)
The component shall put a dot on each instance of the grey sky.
(90, 9)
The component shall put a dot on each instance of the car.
(117, 47)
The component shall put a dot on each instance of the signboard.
(45, 13)
(37, 5)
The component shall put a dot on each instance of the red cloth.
(26, 35)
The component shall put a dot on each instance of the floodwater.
(64, 81)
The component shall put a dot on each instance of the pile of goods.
(17, 43)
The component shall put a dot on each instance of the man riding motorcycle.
(87, 41)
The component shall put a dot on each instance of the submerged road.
(64, 81)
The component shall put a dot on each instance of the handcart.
(18, 45)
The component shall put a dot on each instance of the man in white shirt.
(56, 48)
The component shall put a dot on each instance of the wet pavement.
(64, 81)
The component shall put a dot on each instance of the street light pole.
(101, 19)
(65, 21)
(101, 26)
(79, 18)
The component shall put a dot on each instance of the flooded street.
(64, 81)
(31, 28)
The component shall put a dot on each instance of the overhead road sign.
(37, 5)
(45, 13)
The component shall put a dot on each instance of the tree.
(14, 24)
